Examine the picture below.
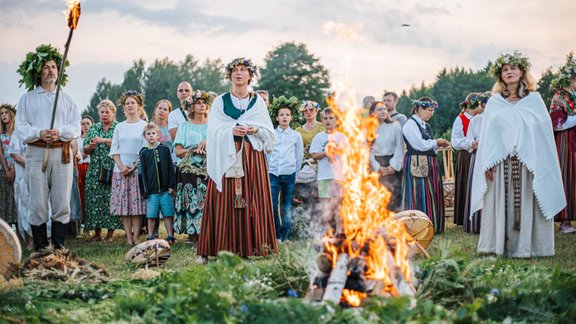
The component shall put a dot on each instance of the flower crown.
(566, 73)
(10, 107)
(473, 102)
(425, 104)
(484, 97)
(242, 61)
(307, 103)
(30, 69)
(291, 103)
(198, 95)
(515, 58)
(131, 93)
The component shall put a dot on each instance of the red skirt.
(244, 231)
(82, 170)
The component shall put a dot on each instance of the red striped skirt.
(82, 170)
(244, 231)
(566, 146)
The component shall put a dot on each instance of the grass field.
(456, 285)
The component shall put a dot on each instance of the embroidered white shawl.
(524, 129)
(220, 148)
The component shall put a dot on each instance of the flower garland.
(242, 61)
(309, 103)
(472, 103)
(291, 103)
(566, 73)
(198, 95)
(31, 68)
(425, 104)
(515, 58)
(131, 93)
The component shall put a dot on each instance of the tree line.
(291, 70)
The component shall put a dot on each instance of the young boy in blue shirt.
(284, 163)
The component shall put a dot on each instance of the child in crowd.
(284, 162)
(157, 181)
(326, 148)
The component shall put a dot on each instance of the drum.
(149, 253)
(418, 225)
(10, 250)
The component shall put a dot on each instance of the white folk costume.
(472, 221)
(388, 150)
(519, 205)
(54, 186)
(461, 145)
(422, 187)
(238, 215)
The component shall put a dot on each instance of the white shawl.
(220, 148)
(524, 129)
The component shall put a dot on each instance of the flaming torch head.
(73, 14)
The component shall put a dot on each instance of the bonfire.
(371, 256)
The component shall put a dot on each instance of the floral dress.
(7, 201)
(97, 195)
(192, 182)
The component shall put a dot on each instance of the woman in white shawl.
(517, 181)
(238, 215)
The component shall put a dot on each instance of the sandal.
(170, 240)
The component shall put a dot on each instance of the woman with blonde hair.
(192, 183)
(126, 201)
(7, 171)
(517, 181)
(97, 188)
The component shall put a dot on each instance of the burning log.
(337, 280)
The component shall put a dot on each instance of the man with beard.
(53, 186)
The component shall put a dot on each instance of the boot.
(39, 236)
(59, 234)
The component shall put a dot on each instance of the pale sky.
(379, 54)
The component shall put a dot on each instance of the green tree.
(290, 70)
(210, 76)
(545, 87)
(135, 77)
(104, 90)
(162, 79)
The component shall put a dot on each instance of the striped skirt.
(461, 186)
(424, 194)
(566, 146)
(244, 231)
(471, 224)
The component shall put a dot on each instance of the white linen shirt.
(459, 140)
(35, 114)
(413, 135)
(388, 142)
(288, 154)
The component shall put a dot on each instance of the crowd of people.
(226, 170)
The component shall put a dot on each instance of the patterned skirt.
(245, 231)
(190, 198)
(125, 199)
(471, 224)
(424, 194)
(566, 146)
(7, 201)
(461, 186)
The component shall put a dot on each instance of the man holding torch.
(47, 131)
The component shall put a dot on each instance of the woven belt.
(517, 197)
(41, 143)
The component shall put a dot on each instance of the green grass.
(456, 285)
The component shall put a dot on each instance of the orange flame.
(73, 13)
(370, 231)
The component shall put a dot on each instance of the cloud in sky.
(382, 55)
